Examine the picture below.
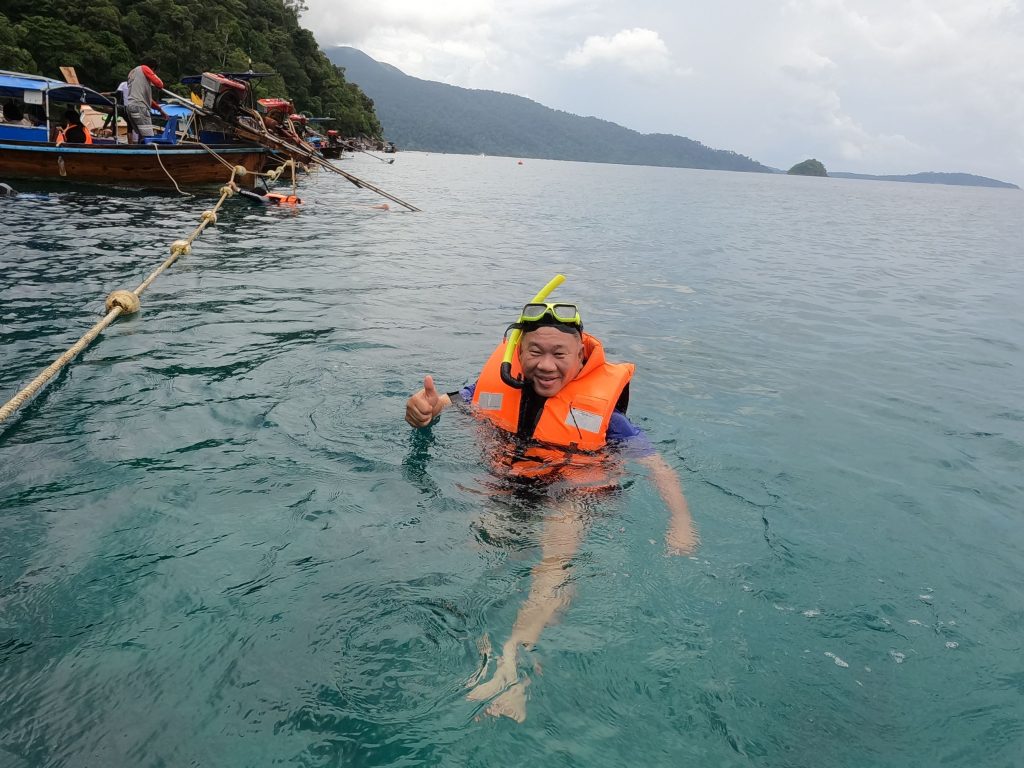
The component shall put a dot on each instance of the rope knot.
(240, 171)
(209, 217)
(228, 189)
(126, 300)
(180, 248)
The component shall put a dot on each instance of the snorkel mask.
(536, 314)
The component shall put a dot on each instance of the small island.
(810, 167)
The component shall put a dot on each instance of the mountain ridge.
(436, 117)
(930, 177)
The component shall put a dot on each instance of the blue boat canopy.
(14, 85)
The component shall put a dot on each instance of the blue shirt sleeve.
(624, 432)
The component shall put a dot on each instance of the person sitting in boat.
(139, 100)
(559, 409)
(13, 115)
(74, 130)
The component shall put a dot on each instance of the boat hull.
(133, 165)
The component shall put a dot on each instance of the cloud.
(640, 50)
(906, 86)
(805, 64)
(347, 22)
(871, 85)
(474, 44)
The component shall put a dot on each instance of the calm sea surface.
(220, 545)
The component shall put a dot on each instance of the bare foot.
(486, 655)
(512, 703)
(505, 675)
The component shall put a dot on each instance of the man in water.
(268, 198)
(561, 415)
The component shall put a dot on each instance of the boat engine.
(222, 95)
(276, 109)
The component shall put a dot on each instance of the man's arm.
(152, 76)
(681, 537)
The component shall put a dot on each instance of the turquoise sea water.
(220, 545)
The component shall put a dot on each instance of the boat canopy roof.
(17, 86)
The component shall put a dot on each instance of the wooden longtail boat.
(27, 152)
(132, 165)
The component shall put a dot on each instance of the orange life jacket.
(277, 199)
(576, 418)
(85, 129)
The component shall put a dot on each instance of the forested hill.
(435, 117)
(931, 177)
(103, 39)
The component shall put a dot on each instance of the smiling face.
(550, 358)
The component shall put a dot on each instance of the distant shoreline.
(429, 116)
(931, 177)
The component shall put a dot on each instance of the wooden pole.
(265, 139)
(306, 156)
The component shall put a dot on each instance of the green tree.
(12, 55)
(808, 168)
(104, 39)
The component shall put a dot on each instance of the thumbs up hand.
(430, 391)
(423, 406)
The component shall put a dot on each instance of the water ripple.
(215, 523)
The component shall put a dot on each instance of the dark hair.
(73, 117)
(12, 112)
(150, 62)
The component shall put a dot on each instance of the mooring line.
(124, 302)
(273, 175)
(156, 148)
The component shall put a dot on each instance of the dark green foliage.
(418, 114)
(12, 56)
(810, 167)
(103, 39)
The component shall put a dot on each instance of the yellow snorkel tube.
(516, 334)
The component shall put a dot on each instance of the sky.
(868, 86)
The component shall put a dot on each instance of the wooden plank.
(93, 120)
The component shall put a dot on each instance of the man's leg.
(142, 120)
(560, 539)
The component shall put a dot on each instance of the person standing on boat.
(139, 100)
